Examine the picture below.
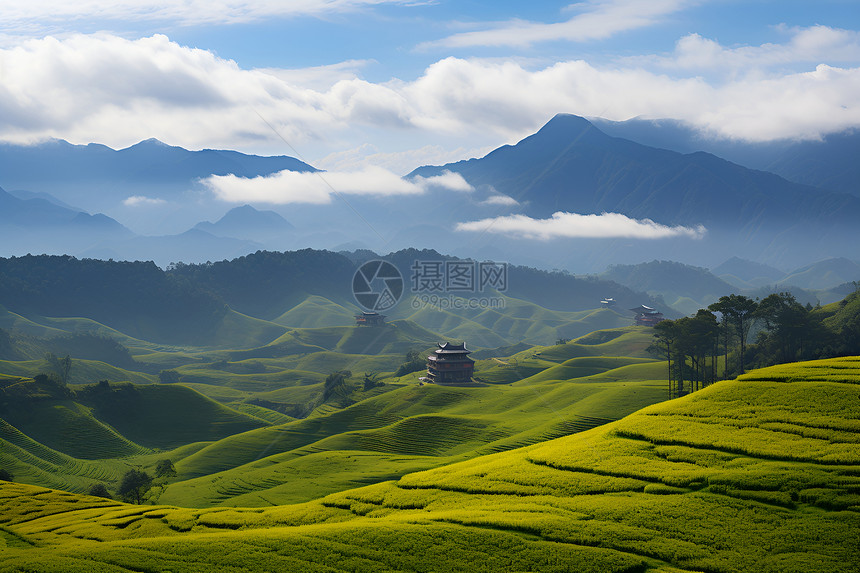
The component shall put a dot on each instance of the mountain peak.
(564, 129)
(151, 143)
(247, 222)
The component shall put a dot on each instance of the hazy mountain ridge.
(829, 163)
(570, 164)
(149, 161)
(246, 222)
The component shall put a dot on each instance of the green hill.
(231, 420)
(756, 474)
(164, 416)
(405, 429)
(316, 312)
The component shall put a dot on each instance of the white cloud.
(817, 44)
(501, 200)
(596, 20)
(573, 225)
(142, 201)
(447, 180)
(16, 15)
(319, 188)
(111, 90)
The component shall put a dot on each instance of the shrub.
(99, 490)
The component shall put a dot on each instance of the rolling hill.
(242, 439)
(743, 273)
(746, 475)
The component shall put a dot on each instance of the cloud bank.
(116, 91)
(319, 188)
(576, 226)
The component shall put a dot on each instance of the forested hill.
(185, 303)
(137, 298)
(265, 284)
(556, 290)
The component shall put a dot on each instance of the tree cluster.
(715, 343)
(371, 380)
(415, 362)
(335, 382)
(115, 293)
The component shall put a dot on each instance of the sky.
(350, 85)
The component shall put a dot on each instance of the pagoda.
(450, 364)
(370, 319)
(646, 316)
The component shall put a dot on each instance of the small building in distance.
(646, 316)
(608, 303)
(450, 364)
(370, 319)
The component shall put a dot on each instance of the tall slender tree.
(741, 312)
(725, 325)
(665, 338)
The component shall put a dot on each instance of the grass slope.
(758, 474)
(516, 321)
(165, 416)
(81, 372)
(405, 429)
(316, 312)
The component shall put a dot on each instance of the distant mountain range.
(570, 165)
(149, 163)
(101, 179)
(830, 163)
(146, 202)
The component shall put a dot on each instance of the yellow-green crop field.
(760, 474)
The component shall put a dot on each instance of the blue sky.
(349, 84)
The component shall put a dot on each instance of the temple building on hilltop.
(370, 319)
(450, 364)
(646, 316)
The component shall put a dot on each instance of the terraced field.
(757, 474)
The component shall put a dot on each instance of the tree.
(99, 490)
(725, 325)
(134, 486)
(371, 380)
(169, 376)
(702, 335)
(5, 475)
(60, 366)
(786, 324)
(690, 346)
(164, 469)
(665, 336)
(334, 382)
(414, 362)
(741, 313)
(7, 346)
